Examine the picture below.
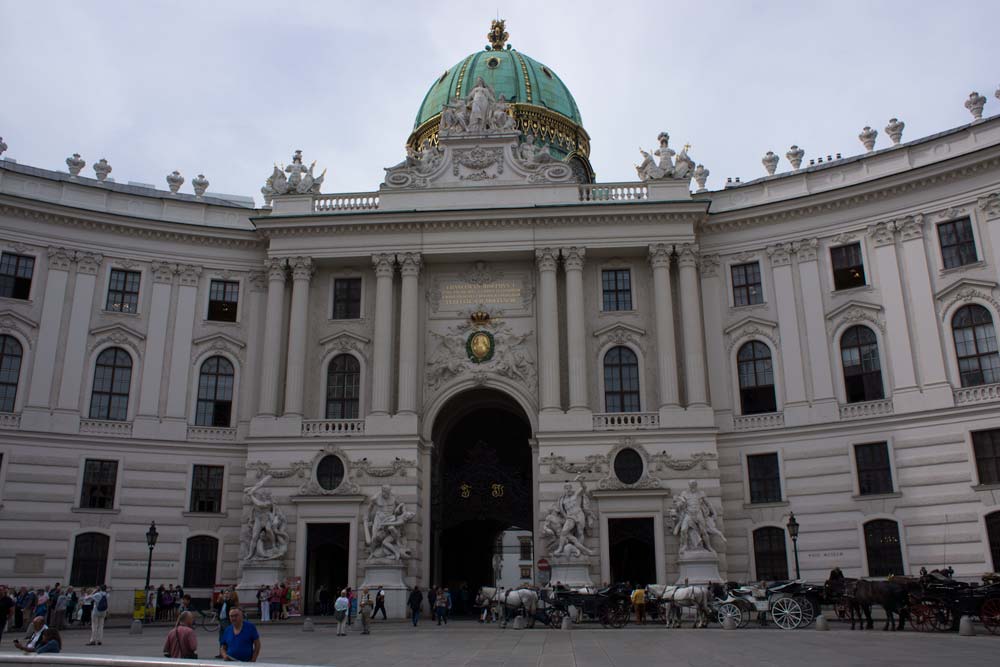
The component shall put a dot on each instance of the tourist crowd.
(43, 612)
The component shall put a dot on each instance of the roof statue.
(680, 167)
(300, 179)
(497, 35)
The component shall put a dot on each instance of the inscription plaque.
(452, 295)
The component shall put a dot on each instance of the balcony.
(115, 429)
(351, 201)
(614, 192)
(210, 433)
(866, 409)
(333, 427)
(758, 422)
(625, 421)
(983, 393)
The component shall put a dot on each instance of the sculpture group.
(479, 112)
(669, 166)
(385, 519)
(695, 520)
(267, 523)
(300, 179)
(568, 521)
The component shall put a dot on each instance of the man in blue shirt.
(240, 641)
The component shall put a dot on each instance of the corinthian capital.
(384, 264)
(659, 255)
(805, 250)
(409, 263)
(882, 233)
(780, 254)
(911, 227)
(189, 274)
(687, 255)
(275, 267)
(88, 262)
(547, 259)
(61, 258)
(302, 268)
(573, 258)
(709, 265)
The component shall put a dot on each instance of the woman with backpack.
(97, 616)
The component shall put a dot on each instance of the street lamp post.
(793, 531)
(151, 536)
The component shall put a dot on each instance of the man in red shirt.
(182, 641)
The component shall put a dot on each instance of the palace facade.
(489, 325)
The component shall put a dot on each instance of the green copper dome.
(519, 78)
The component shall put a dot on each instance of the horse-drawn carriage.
(942, 601)
(790, 605)
(610, 606)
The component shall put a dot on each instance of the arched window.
(90, 559)
(343, 387)
(215, 393)
(769, 554)
(756, 378)
(112, 377)
(10, 371)
(885, 556)
(976, 346)
(862, 371)
(200, 558)
(993, 535)
(621, 380)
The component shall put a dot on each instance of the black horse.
(892, 595)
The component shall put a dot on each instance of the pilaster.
(382, 357)
(188, 277)
(824, 399)
(409, 327)
(666, 344)
(87, 265)
(147, 420)
(273, 322)
(302, 271)
(60, 261)
(796, 402)
(576, 329)
(547, 260)
(694, 341)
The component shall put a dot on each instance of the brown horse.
(860, 594)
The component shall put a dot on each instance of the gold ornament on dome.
(497, 36)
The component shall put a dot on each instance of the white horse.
(513, 600)
(699, 597)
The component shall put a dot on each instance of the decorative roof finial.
(497, 36)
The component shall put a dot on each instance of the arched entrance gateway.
(481, 487)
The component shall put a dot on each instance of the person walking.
(365, 604)
(341, 608)
(380, 603)
(182, 641)
(222, 608)
(97, 616)
(639, 602)
(71, 605)
(352, 610)
(241, 641)
(440, 606)
(59, 610)
(265, 604)
(7, 605)
(413, 602)
(431, 599)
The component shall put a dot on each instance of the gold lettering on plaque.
(494, 292)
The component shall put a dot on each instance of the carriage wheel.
(989, 614)
(730, 610)
(606, 617)
(941, 617)
(555, 618)
(842, 609)
(786, 613)
(808, 611)
(619, 615)
(922, 616)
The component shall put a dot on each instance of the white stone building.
(490, 324)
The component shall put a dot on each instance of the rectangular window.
(616, 286)
(848, 266)
(223, 300)
(765, 480)
(346, 298)
(526, 548)
(987, 448)
(874, 471)
(99, 481)
(958, 246)
(15, 275)
(526, 573)
(123, 291)
(746, 284)
(206, 489)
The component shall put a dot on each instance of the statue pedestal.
(388, 575)
(256, 574)
(572, 572)
(698, 567)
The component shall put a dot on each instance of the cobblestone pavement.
(469, 643)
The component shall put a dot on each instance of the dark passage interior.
(326, 561)
(633, 551)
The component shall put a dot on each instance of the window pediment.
(855, 312)
(117, 334)
(966, 290)
(620, 333)
(13, 322)
(750, 327)
(220, 342)
(344, 341)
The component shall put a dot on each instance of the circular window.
(493, 62)
(330, 472)
(628, 466)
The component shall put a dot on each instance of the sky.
(227, 89)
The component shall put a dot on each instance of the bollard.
(729, 623)
(566, 623)
(519, 622)
(135, 628)
(308, 625)
(821, 623)
(965, 628)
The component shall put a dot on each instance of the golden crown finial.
(497, 36)
(480, 317)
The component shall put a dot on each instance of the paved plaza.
(469, 643)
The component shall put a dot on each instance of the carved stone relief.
(312, 487)
(856, 312)
(510, 360)
(218, 342)
(751, 327)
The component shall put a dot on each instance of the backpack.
(102, 604)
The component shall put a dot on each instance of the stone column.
(298, 326)
(788, 327)
(273, 320)
(694, 342)
(576, 329)
(547, 260)
(900, 352)
(663, 306)
(180, 356)
(47, 348)
(156, 340)
(87, 265)
(815, 321)
(382, 349)
(990, 207)
(409, 328)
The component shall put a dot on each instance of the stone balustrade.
(351, 201)
(983, 393)
(114, 429)
(332, 427)
(866, 409)
(758, 422)
(614, 192)
(623, 421)
(205, 433)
